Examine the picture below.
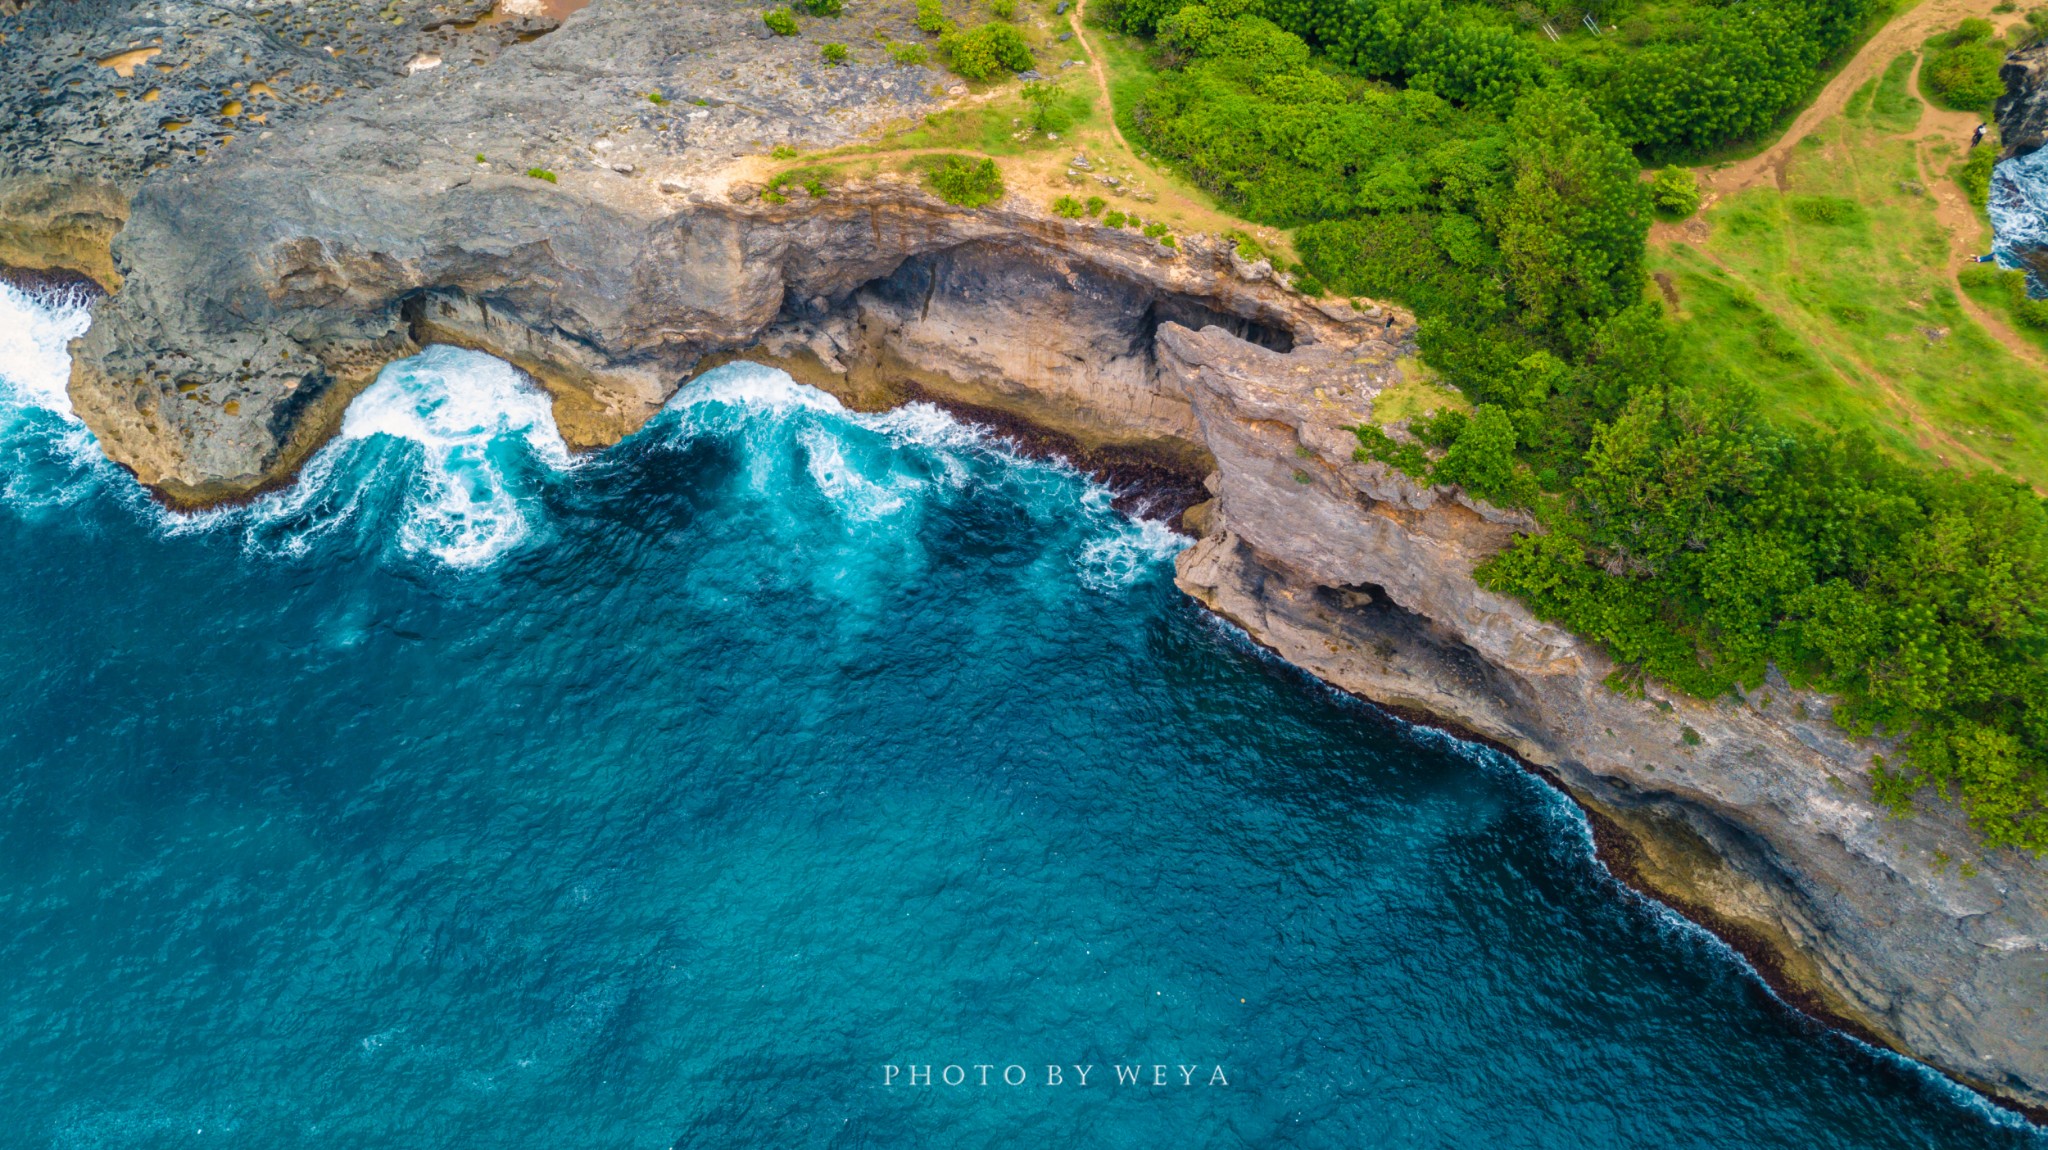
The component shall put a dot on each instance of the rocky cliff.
(265, 272)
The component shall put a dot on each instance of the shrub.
(1960, 72)
(1043, 99)
(1067, 206)
(657, 99)
(1154, 230)
(1825, 209)
(783, 152)
(1407, 458)
(541, 174)
(908, 54)
(1095, 205)
(833, 54)
(779, 22)
(823, 7)
(1974, 173)
(1003, 9)
(931, 17)
(1675, 193)
(959, 180)
(1114, 219)
(986, 51)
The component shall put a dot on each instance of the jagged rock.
(1850, 912)
(2022, 113)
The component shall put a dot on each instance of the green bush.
(959, 180)
(823, 7)
(1003, 9)
(1043, 98)
(779, 22)
(1960, 71)
(1675, 192)
(1694, 539)
(657, 99)
(1407, 458)
(1067, 206)
(1974, 174)
(833, 54)
(1114, 219)
(1825, 209)
(986, 51)
(1095, 205)
(908, 55)
(931, 17)
(541, 174)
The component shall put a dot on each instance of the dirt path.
(1903, 34)
(1095, 69)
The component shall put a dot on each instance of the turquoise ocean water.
(474, 794)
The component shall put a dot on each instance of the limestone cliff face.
(261, 286)
(1753, 816)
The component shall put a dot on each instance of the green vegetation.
(783, 152)
(1067, 206)
(541, 174)
(908, 55)
(1497, 192)
(779, 22)
(962, 180)
(823, 7)
(1114, 219)
(1676, 76)
(1961, 69)
(986, 52)
(1675, 193)
(833, 54)
(2006, 289)
(657, 99)
(1003, 9)
(1094, 205)
(1047, 111)
(931, 17)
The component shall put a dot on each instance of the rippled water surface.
(472, 794)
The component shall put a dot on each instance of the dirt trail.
(1903, 34)
(1095, 70)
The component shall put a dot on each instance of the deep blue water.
(469, 794)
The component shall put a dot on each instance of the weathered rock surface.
(1352, 572)
(2022, 113)
(263, 281)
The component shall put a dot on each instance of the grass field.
(1835, 298)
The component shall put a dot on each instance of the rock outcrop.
(2022, 112)
(1753, 816)
(529, 198)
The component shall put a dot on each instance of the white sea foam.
(1122, 557)
(470, 421)
(461, 408)
(2018, 205)
(47, 457)
(35, 329)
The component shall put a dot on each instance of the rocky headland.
(283, 200)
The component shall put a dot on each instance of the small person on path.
(1978, 138)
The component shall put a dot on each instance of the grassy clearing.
(1835, 299)
(998, 128)
(1419, 393)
